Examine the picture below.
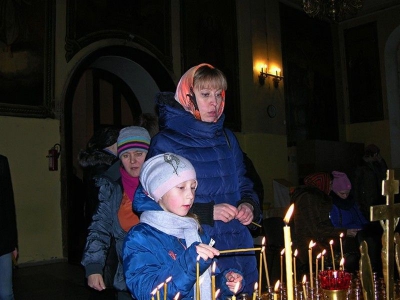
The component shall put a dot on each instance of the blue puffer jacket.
(150, 256)
(104, 226)
(345, 213)
(216, 155)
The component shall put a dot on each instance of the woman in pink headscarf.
(192, 125)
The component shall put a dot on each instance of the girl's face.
(343, 194)
(133, 161)
(209, 101)
(179, 199)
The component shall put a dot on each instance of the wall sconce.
(276, 78)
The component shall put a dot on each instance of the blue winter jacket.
(216, 155)
(105, 225)
(150, 256)
(346, 214)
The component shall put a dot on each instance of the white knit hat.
(162, 172)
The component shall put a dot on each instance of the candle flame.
(263, 241)
(236, 287)
(286, 219)
(342, 262)
(341, 235)
(217, 293)
(283, 252)
(304, 279)
(256, 286)
(168, 279)
(160, 285)
(276, 287)
(198, 258)
(311, 244)
(177, 296)
(319, 256)
(213, 267)
(295, 253)
(323, 252)
(153, 292)
(263, 249)
(331, 242)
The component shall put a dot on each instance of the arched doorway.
(110, 86)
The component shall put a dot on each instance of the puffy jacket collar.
(173, 116)
(142, 202)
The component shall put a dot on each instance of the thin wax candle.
(260, 270)
(288, 253)
(213, 281)
(316, 265)
(166, 287)
(310, 246)
(323, 260)
(282, 254)
(333, 255)
(294, 267)
(197, 278)
(341, 244)
(255, 291)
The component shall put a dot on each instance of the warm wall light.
(276, 78)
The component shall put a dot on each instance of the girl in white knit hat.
(168, 241)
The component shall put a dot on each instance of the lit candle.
(341, 245)
(213, 281)
(316, 265)
(294, 266)
(260, 270)
(197, 278)
(158, 290)
(265, 263)
(276, 290)
(312, 244)
(235, 290)
(166, 287)
(288, 253)
(341, 265)
(153, 292)
(217, 293)
(333, 255)
(282, 253)
(177, 296)
(255, 291)
(323, 259)
(304, 286)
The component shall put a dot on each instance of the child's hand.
(206, 251)
(232, 279)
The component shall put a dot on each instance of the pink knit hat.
(340, 182)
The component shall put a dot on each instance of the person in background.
(114, 216)
(168, 239)
(8, 231)
(192, 125)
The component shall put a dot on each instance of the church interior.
(307, 91)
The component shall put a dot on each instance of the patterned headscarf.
(319, 180)
(185, 88)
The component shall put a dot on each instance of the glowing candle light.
(255, 291)
(282, 253)
(323, 260)
(333, 255)
(235, 290)
(217, 293)
(312, 244)
(304, 286)
(276, 290)
(158, 290)
(294, 266)
(197, 278)
(316, 264)
(260, 270)
(341, 245)
(177, 296)
(341, 264)
(288, 253)
(265, 263)
(213, 281)
(166, 287)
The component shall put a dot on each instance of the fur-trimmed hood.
(98, 157)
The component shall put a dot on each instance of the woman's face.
(132, 162)
(179, 199)
(343, 194)
(209, 101)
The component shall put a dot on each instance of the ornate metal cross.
(388, 214)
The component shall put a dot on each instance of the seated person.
(168, 241)
(311, 218)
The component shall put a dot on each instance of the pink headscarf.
(183, 92)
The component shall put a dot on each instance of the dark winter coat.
(8, 223)
(151, 256)
(106, 225)
(216, 155)
(345, 213)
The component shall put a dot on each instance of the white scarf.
(183, 228)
